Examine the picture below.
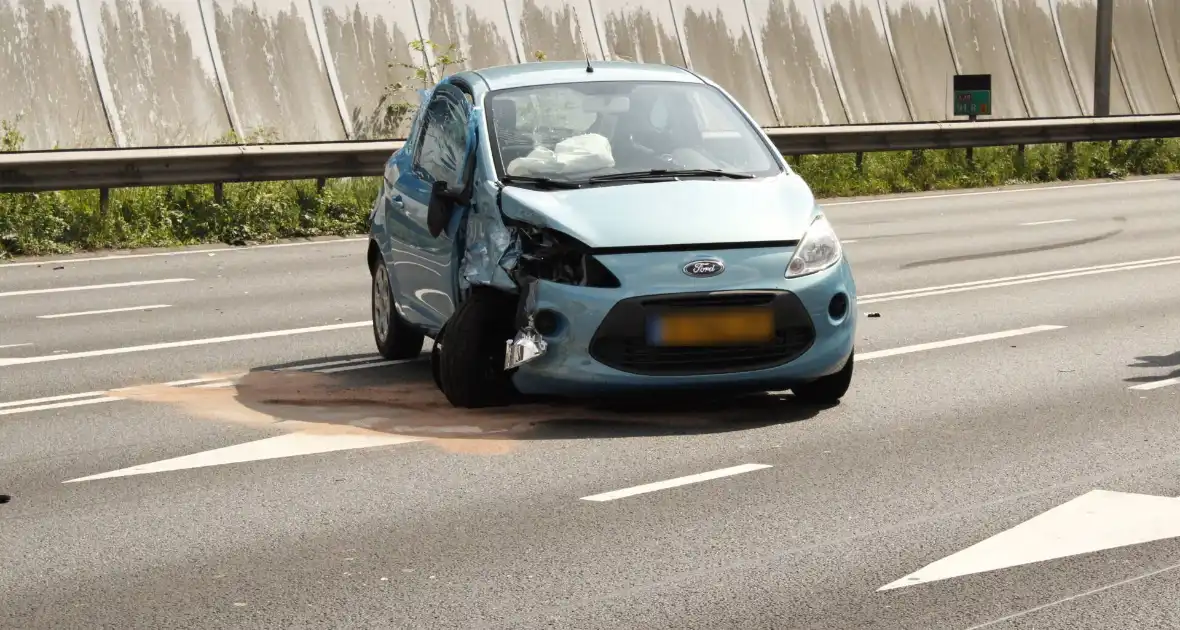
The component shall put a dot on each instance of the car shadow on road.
(402, 399)
(1159, 362)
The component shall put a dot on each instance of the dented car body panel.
(607, 220)
(656, 214)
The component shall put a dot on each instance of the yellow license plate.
(712, 328)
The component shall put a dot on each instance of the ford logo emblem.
(704, 268)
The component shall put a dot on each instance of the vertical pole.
(1104, 34)
(971, 150)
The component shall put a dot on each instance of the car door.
(426, 266)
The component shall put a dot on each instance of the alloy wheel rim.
(381, 304)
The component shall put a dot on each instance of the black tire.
(395, 339)
(471, 363)
(827, 390)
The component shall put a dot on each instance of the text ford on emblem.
(704, 268)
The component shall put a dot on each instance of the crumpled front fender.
(491, 249)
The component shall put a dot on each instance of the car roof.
(551, 72)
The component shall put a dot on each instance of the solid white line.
(104, 312)
(49, 399)
(61, 405)
(672, 483)
(934, 345)
(91, 287)
(180, 344)
(987, 192)
(364, 366)
(1001, 282)
(1041, 274)
(192, 381)
(1168, 382)
(848, 242)
(191, 252)
(312, 366)
(15, 345)
(1050, 222)
(215, 385)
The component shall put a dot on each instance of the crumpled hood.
(670, 213)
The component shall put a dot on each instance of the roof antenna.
(586, 51)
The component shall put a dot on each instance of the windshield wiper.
(539, 181)
(665, 172)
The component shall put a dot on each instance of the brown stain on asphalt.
(332, 405)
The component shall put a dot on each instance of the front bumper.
(597, 345)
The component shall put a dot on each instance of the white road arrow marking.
(289, 445)
(1095, 521)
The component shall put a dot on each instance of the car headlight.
(818, 249)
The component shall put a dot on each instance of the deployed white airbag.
(584, 153)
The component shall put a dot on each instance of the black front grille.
(621, 340)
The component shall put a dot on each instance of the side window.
(442, 147)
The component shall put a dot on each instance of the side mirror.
(438, 213)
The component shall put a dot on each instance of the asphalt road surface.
(205, 438)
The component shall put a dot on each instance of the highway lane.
(933, 451)
(244, 292)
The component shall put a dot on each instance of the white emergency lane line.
(673, 483)
(50, 399)
(15, 345)
(992, 283)
(190, 252)
(126, 309)
(948, 343)
(93, 287)
(180, 344)
(1167, 382)
(363, 366)
(60, 405)
(1049, 222)
(312, 366)
(83, 398)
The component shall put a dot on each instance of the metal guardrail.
(36, 171)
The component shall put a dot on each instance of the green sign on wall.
(973, 95)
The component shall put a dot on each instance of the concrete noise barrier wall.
(101, 73)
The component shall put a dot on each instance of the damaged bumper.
(568, 355)
(525, 347)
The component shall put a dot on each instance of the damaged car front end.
(559, 231)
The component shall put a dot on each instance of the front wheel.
(395, 339)
(827, 390)
(471, 362)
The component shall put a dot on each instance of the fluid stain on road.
(329, 404)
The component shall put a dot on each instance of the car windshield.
(575, 132)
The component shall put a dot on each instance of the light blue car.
(588, 228)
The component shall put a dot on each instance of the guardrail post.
(970, 156)
(1021, 159)
(104, 202)
(219, 192)
(860, 161)
(319, 184)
